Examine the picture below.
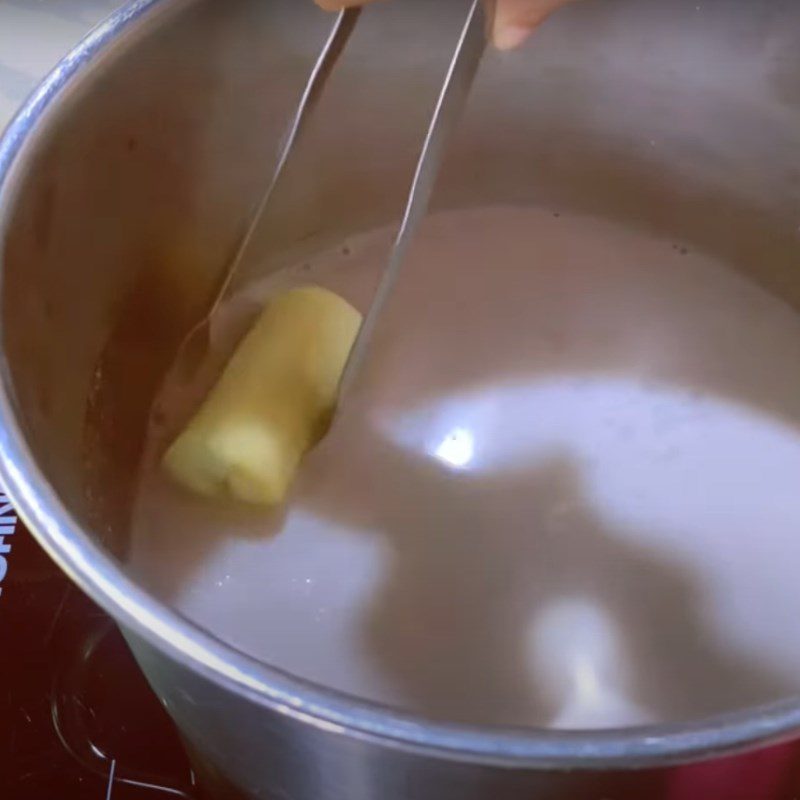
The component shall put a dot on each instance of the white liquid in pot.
(565, 493)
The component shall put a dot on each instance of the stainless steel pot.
(124, 184)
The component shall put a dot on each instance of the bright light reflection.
(586, 683)
(578, 660)
(457, 448)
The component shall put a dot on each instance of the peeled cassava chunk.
(273, 401)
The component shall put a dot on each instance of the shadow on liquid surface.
(597, 538)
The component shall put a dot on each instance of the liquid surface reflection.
(563, 492)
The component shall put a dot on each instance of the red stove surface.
(78, 721)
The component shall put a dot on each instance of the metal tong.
(452, 98)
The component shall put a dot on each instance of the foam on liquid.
(566, 491)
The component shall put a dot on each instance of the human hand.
(514, 20)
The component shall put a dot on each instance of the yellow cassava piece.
(272, 402)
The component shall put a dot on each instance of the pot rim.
(99, 576)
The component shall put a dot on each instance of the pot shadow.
(476, 562)
(459, 612)
(474, 571)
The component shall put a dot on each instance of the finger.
(338, 5)
(515, 20)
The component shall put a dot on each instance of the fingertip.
(508, 37)
(338, 5)
(515, 20)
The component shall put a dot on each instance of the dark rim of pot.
(183, 642)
